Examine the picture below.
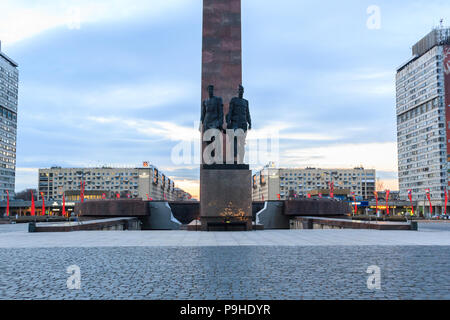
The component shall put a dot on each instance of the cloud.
(137, 96)
(361, 82)
(22, 19)
(26, 178)
(119, 96)
(174, 132)
(370, 155)
(390, 184)
(286, 130)
(153, 129)
(107, 92)
(191, 186)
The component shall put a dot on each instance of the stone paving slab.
(20, 238)
(272, 264)
(242, 272)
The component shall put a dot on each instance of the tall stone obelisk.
(225, 190)
(222, 48)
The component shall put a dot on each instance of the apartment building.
(273, 183)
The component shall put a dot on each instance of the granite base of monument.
(225, 198)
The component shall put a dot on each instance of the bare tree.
(26, 194)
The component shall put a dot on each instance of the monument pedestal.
(225, 198)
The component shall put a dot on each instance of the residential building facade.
(9, 86)
(145, 182)
(273, 183)
(422, 110)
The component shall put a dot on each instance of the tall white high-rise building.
(423, 115)
(9, 83)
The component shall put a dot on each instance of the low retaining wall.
(101, 224)
(112, 208)
(316, 208)
(330, 223)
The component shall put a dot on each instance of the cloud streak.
(22, 19)
(125, 87)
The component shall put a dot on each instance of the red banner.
(81, 192)
(279, 196)
(309, 196)
(64, 206)
(118, 195)
(103, 196)
(446, 201)
(320, 195)
(387, 201)
(7, 203)
(427, 191)
(410, 200)
(43, 203)
(33, 208)
(331, 190)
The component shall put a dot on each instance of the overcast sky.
(118, 82)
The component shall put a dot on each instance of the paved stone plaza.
(283, 264)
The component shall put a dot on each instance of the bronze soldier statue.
(212, 118)
(212, 111)
(237, 118)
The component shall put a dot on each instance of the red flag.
(148, 198)
(118, 195)
(331, 190)
(309, 195)
(33, 208)
(43, 204)
(81, 191)
(376, 201)
(7, 203)
(64, 206)
(354, 201)
(279, 196)
(387, 201)
(320, 195)
(429, 200)
(410, 200)
(103, 196)
(446, 201)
